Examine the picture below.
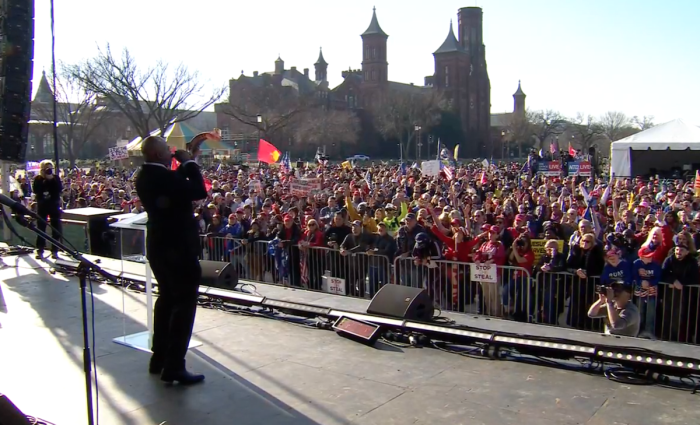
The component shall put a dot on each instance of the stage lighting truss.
(451, 331)
(284, 305)
(656, 360)
(581, 349)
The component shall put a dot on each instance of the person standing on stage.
(47, 188)
(172, 247)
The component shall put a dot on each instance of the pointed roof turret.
(374, 28)
(519, 92)
(320, 60)
(450, 44)
(44, 94)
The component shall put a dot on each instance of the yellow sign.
(538, 248)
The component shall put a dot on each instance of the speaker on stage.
(403, 302)
(10, 414)
(16, 76)
(218, 274)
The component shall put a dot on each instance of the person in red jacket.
(667, 231)
(491, 252)
(311, 255)
(458, 248)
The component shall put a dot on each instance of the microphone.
(17, 207)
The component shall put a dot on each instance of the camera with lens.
(520, 243)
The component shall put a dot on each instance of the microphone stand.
(85, 266)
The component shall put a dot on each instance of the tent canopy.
(177, 136)
(672, 136)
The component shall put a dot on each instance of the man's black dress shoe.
(155, 366)
(183, 377)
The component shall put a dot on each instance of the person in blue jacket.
(646, 273)
(616, 269)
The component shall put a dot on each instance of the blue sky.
(635, 56)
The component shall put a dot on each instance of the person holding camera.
(47, 189)
(614, 306)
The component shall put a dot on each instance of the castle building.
(460, 73)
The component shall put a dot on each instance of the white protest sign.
(304, 187)
(117, 153)
(483, 273)
(333, 285)
(122, 143)
(430, 168)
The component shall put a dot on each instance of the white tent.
(639, 153)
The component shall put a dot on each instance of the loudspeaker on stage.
(402, 302)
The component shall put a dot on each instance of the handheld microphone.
(17, 207)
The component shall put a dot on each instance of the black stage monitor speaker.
(10, 414)
(16, 76)
(402, 302)
(218, 274)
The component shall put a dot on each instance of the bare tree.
(614, 124)
(586, 130)
(520, 130)
(79, 116)
(546, 124)
(322, 126)
(279, 107)
(644, 123)
(396, 113)
(148, 97)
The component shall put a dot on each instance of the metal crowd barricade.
(504, 293)
(672, 315)
(358, 274)
(563, 299)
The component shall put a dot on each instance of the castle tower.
(279, 66)
(374, 63)
(44, 94)
(519, 101)
(470, 37)
(321, 67)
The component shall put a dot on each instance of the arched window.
(447, 76)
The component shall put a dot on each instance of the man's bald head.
(155, 149)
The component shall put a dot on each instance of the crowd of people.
(569, 249)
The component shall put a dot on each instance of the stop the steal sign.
(483, 273)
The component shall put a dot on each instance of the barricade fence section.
(556, 299)
(486, 289)
(352, 273)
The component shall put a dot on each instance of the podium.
(129, 226)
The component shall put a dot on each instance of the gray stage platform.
(261, 371)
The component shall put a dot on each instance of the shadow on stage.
(127, 393)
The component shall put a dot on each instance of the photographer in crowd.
(621, 316)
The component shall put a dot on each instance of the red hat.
(645, 252)
(495, 229)
(287, 217)
(485, 227)
(240, 211)
(456, 222)
(521, 217)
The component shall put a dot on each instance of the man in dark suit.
(172, 248)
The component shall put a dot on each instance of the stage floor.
(261, 371)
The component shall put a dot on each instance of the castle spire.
(450, 44)
(374, 28)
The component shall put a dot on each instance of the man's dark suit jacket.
(167, 196)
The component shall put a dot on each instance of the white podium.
(140, 340)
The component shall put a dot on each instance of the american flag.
(449, 175)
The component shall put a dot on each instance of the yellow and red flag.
(267, 152)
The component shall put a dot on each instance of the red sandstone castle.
(460, 73)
